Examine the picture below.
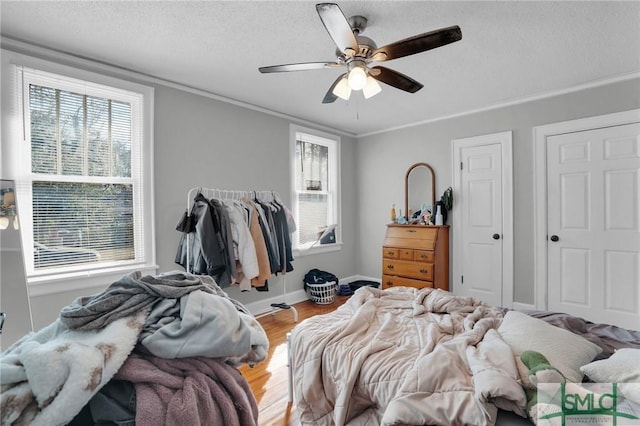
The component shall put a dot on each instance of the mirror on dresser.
(419, 188)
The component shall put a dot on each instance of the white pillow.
(565, 351)
(621, 367)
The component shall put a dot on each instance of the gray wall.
(200, 141)
(383, 159)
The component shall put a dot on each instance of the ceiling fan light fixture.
(356, 52)
(342, 89)
(357, 78)
(372, 88)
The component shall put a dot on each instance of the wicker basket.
(322, 294)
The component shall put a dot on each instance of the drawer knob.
(390, 284)
(391, 253)
(423, 271)
(389, 266)
(423, 256)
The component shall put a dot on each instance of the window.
(315, 188)
(85, 186)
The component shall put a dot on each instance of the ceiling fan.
(356, 53)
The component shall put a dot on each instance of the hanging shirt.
(259, 242)
(246, 251)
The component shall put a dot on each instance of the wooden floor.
(268, 379)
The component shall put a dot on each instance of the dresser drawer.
(413, 232)
(417, 270)
(391, 252)
(393, 281)
(424, 256)
(406, 254)
(411, 237)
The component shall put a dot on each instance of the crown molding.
(65, 58)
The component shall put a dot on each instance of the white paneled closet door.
(593, 214)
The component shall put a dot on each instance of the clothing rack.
(225, 194)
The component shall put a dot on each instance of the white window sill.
(74, 281)
(320, 248)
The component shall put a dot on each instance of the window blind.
(86, 173)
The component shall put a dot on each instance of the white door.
(593, 217)
(482, 263)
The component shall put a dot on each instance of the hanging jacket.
(206, 245)
(259, 242)
(227, 238)
(269, 213)
(244, 246)
(266, 232)
(284, 240)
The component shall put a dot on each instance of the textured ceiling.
(509, 50)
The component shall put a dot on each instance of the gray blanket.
(203, 324)
(129, 295)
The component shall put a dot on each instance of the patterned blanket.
(48, 376)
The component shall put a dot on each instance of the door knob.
(554, 238)
(496, 236)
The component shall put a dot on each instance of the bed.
(413, 357)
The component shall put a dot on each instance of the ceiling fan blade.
(303, 66)
(395, 79)
(338, 27)
(419, 43)
(330, 97)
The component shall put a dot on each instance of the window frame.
(333, 143)
(23, 69)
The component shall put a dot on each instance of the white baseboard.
(523, 306)
(359, 277)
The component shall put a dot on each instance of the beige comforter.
(404, 356)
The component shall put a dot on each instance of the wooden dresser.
(416, 256)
